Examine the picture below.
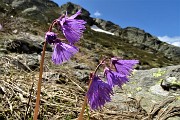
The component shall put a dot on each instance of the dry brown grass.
(61, 98)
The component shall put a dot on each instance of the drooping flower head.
(50, 37)
(99, 93)
(62, 52)
(124, 67)
(115, 78)
(72, 28)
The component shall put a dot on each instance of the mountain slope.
(23, 25)
(130, 42)
(157, 50)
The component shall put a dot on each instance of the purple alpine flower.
(72, 28)
(50, 37)
(124, 67)
(99, 93)
(115, 78)
(63, 52)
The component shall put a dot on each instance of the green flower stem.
(39, 83)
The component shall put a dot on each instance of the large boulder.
(152, 87)
(144, 97)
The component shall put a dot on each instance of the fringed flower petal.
(124, 67)
(63, 52)
(72, 28)
(99, 93)
(115, 78)
(75, 15)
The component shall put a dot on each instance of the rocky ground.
(150, 94)
(153, 90)
(156, 94)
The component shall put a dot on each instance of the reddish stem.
(39, 83)
(53, 23)
(85, 98)
(101, 63)
(36, 110)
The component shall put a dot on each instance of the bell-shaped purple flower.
(99, 93)
(50, 37)
(124, 67)
(115, 78)
(72, 28)
(63, 52)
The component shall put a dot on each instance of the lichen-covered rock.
(146, 85)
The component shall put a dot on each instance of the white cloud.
(97, 14)
(171, 40)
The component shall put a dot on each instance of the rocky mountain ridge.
(19, 17)
(139, 37)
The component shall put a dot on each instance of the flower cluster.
(72, 29)
(117, 74)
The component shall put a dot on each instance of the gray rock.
(158, 90)
(81, 67)
(30, 60)
(171, 83)
(141, 38)
(82, 75)
(20, 65)
(23, 46)
(17, 3)
(59, 78)
(2, 50)
(26, 62)
(9, 63)
(146, 85)
(108, 26)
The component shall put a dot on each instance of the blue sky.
(158, 17)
